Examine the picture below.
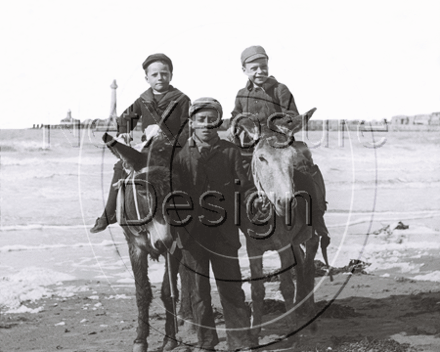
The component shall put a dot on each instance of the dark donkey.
(139, 213)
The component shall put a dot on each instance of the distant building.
(69, 121)
(435, 119)
(399, 120)
(422, 119)
(420, 122)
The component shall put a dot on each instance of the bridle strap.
(261, 193)
(135, 198)
(120, 202)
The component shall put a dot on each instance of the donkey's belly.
(279, 239)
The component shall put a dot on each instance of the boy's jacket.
(170, 113)
(216, 172)
(270, 98)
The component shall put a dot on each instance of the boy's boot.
(106, 219)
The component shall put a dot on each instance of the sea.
(54, 184)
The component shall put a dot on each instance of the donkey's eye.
(262, 159)
(140, 188)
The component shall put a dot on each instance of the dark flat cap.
(253, 53)
(157, 57)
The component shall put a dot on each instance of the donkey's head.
(140, 197)
(140, 209)
(275, 157)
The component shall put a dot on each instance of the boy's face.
(205, 123)
(257, 71)
(159, 76)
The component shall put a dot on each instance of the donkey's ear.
(130, 156)
(297, 122)
(308, 114)
(248, 123)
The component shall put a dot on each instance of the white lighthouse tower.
(113, 114)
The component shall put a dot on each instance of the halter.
(262, 193)
(120, 205)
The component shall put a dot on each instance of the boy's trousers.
(210, 247)
(110, 207)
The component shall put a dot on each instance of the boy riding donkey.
(161, 105)
(165, 107)
(262, 97)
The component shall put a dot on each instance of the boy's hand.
(126, 137)
(258, 204)
(259, 210)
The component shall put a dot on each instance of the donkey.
(275, 161)
(139, 213)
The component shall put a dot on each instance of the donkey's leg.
(301, 285)
(309, 271)
(257, 289)
(139, 263)
(309, 275)
(305, 286)
(287, 286)
(171, 268)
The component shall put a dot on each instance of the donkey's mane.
(158, 152)
(158, 176)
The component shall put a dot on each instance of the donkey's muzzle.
(160, 246)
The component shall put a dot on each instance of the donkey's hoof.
(169, 344)
(293, 340)
(183, 348)
(313, 328)
(139, 346)
(190, 327)
(180, 320)
(253, 339)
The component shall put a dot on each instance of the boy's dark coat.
(273, 97)
(217, 172)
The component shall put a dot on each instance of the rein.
(135, 198)
(137, 227)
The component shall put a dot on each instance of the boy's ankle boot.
(102, 223)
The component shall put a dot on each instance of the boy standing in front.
(161, 104)
(262, 97)
(209, 170)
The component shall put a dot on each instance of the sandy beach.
(368, 313)
(62, 288)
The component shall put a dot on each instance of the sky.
(349, 59)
